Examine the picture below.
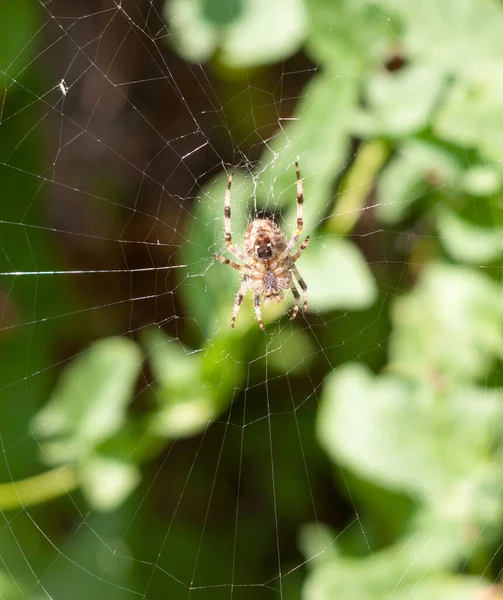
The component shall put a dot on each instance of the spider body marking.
(268, 267)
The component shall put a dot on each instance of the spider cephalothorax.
(268, 267)
(263, 240)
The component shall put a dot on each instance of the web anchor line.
(20, 273)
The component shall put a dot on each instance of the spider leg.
(239, 299)
(301, 249)
(226, 261)
(296, 295)
(238, 253)
(302, 284)
(300, 221)
(256, 303)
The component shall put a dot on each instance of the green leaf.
(452, 34)
(245, 31)
(318, 543)
(482, 180)
(447, 587)
(400, 103)
(89, 402)
(193, 35)
(466, 241)
(347, 37)
(107, 482)
(186, 401)
(462, 41)
(172, 365)
(221, 12)
(387, 575)
(385, 513)
(416, 438)
(256, 38)
(450, 324)
(337, 275)
(407, 178)
(417, 561)
(291, 350)
(185, 419)
(472, 114)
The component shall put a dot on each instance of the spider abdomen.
(272, 289)
(270, 284)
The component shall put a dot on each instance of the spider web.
(114, 157)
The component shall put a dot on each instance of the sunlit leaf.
(482, 180)
(318, 544)
(107, 482)
(399, 103)
(245, 31)
(89, 402)
(291, 350)
(450, 324)
(429, 443)
(388, 575)
(466, 241)
(418, 168)
(447, 587)
(256, 38)
(337, 275)
(187, 403)
(417, 561)
(436, 31)
(472, 114)
(193, 36)
(171, 364)
(347, 37)
(404, 435)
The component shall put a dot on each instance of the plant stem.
(38, 489)
(357, 185)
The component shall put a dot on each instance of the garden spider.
(267, 264)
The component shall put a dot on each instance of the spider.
(268, 268)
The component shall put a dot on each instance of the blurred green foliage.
(415, 430)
